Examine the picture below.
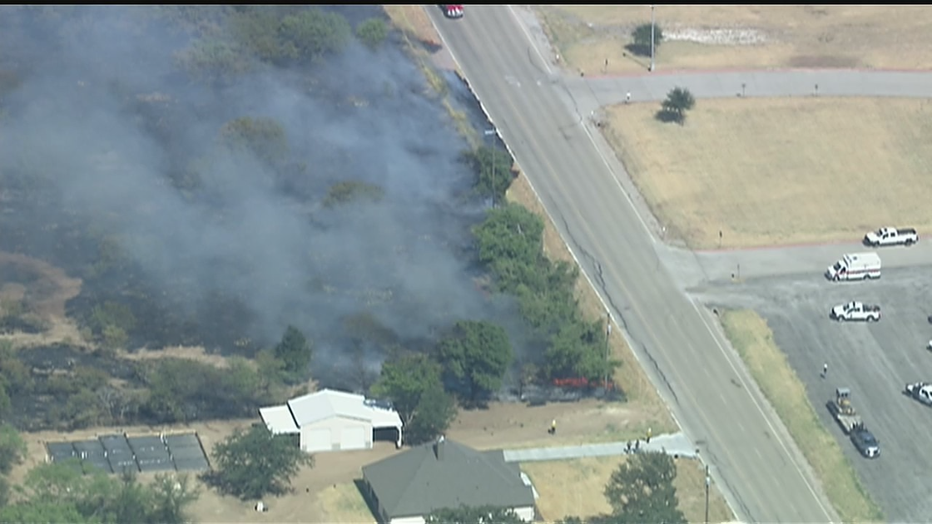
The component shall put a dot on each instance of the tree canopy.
(295, 352)
(69, 492)
(412, 381)
(372, 32)
(263, 137)
(476, 355)
(640, 39)
(493, 171)
(350, 191)
(641, 491)
(253, 463)
(674, 107)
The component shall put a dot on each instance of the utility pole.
(491, 133)
(608, 333)
(707, 482)
(652, 38)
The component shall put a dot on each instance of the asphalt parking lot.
(874, 360)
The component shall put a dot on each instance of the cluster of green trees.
(468, 363)
(279, 35)
(65, 492)
(493, 169)
(181, 390)
(74, 492)
(510, 244)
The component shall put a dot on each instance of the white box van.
(857, 266)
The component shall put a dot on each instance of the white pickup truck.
(856, 311)
(890, 236)
(921, 391)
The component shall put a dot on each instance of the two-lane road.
(763, 475)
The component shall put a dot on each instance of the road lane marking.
(530, 40)
(651, 333)
(760, 409)
(599, 293)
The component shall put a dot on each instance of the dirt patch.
(197, 353)
(42, 290)
(513, 425)
(738, 167)
(417, 28)
(642, 395)
(576, 488)
(753, 340)
(746, 36)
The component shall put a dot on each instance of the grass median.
(751, 337)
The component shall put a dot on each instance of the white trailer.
(855, 266)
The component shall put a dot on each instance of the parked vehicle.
(855, 266)
(840, 407)
(921, 391)
(865, 442)
(856, 311)
(452, 10)
(891, 236)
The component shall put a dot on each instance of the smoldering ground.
(101, 122)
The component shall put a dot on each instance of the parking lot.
(874, 360)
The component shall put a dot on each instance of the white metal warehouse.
(330, 420)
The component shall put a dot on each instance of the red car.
(452, 10)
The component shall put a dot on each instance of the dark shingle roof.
(417, 482)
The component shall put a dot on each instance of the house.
(330, 420)
(407, 487)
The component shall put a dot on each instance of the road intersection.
(541, 116)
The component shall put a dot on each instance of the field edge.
(752, 338)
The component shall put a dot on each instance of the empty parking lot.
(874, 360)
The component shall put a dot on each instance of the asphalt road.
(754, 461)
(874, 360)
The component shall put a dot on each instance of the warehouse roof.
(324, 404)
(446, 474)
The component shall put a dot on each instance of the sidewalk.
(673, 444)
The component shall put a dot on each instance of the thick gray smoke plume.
(361, 115)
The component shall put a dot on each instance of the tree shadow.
(669, 117)
(640, 50)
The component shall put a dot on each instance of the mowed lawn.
(576, 488)
(707, 37)
(780, 171)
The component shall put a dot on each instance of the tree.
(295, 352)
(674, 107)
(253, 463)
(510, 243)
(493, 171)
(313, 33)
(476, 354)
(265, 138)
(413, 383)
(213, 59)
(352, 190)
(641, 490)
(372, 32)
(170, 496)
(640, 39)
(578, 350)
(474, 515)
(12, 448)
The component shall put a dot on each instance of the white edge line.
(585, 273)
(529, 39)
(760, 409)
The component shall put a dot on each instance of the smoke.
(81, 120)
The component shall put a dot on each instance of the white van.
(857, 266)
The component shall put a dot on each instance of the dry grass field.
(753, 340)
(779, 171)
(745, 36)
(575, 487)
